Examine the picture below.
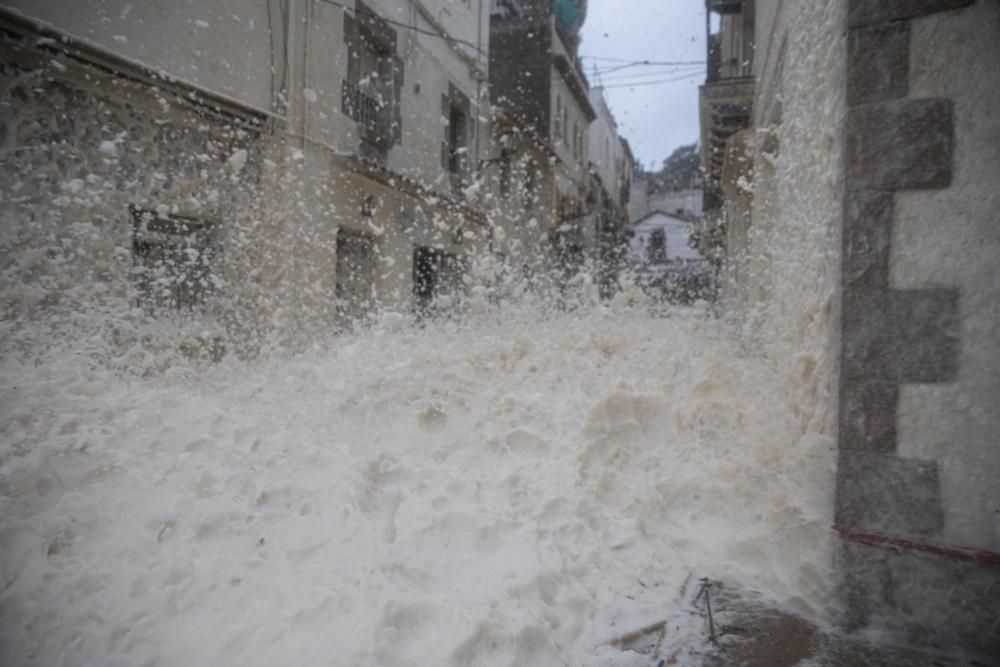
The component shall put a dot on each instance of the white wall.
(606, 152)
(677, 232)
(575, 165)
(689, 201)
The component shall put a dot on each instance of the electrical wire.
(641, 63)
(422, 31)
(601, 78)
(638, 76)
(654, 83)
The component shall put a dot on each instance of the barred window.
(172, 260)
(371, 92)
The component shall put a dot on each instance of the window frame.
(159, 241)
(379, 120)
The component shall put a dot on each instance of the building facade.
(219, 162)
(611, 167)
(725, 104)
(870, 123)
(540, 92)
(661, 237)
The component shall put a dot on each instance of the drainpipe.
(480, 77)
(306, 26)
(296, 45)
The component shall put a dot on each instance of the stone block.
(884, 493)
(866, 238)
(919, 599)
(900, 145)
(868, 415)
(925, 324)
(878, 63)
(867, 12)
(900, 335)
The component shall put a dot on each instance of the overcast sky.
(655, 117)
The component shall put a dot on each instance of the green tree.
(680, 171)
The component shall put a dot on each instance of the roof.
(676, 216)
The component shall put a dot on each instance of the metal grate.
(361, 107)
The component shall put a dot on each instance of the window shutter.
(446, 129)
(470, 142)
(349, 85)
(397, 99)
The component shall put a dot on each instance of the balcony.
(569, 68)
(367, 111)
(725, 107)
(726, 100)
(725, 6)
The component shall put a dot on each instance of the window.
(530, 183)
(371, 92)
(457, 140)
(455, 109)
(558, 119)
(505, 168)
(576, 140)
(656, 251)
(437, 281)
(505, 8)
(171, 261)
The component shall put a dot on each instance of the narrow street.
(499, 333)
(512, 490)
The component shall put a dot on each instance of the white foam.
(516, 490)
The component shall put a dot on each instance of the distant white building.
(686, 202)
(644, 201)
(662, 237)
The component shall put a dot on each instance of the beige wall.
(605, 150)
(430, 65)
(780, 291)
(575, 166)
(522, 218)
(219, 45)
(949, 238)
(279, 242)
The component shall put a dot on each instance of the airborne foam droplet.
(237, 160)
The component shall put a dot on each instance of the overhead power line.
(659, 72)
(655, 82)
(641, 63)
(417, 29)
(632, 60)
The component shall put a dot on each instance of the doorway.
(355, 276)
(437, 281)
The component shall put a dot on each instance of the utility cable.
(654, 83)
(625, 76)
(407, 26)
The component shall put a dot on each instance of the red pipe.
(976, 556)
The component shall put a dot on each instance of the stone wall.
(916, 487)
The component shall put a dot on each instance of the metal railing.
(361, 107)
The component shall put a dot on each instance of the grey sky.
(655, 118)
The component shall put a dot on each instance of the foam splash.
(512, 490)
